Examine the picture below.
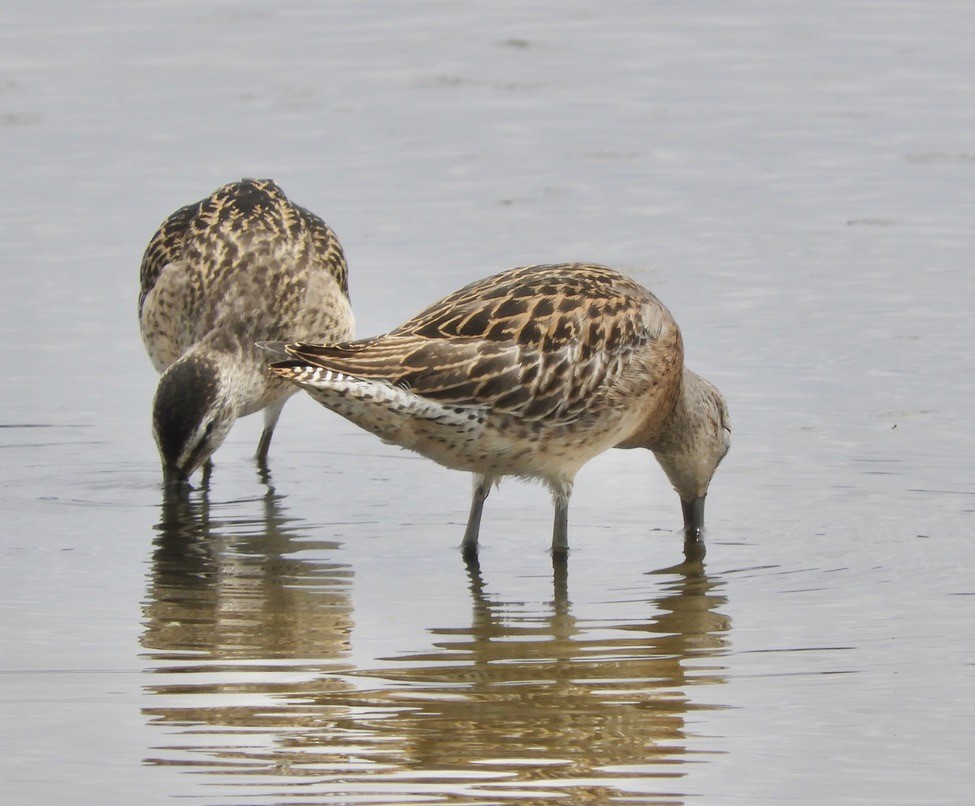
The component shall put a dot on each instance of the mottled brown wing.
(227, 241)
(545, 307)
(328, 251)
(537, 342)
(192, 228)
(165, 246)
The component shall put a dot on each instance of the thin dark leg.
(560, 530)
(271, 414)
(264, 445)
(482, 486)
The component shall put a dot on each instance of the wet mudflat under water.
(794, 183)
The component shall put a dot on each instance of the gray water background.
(794, 180)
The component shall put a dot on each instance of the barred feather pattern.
(540, 368)
(243, 265)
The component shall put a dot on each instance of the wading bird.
(530, 373)
(241, 266)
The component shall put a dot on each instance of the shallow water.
(795, 183)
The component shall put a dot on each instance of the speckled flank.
(531, 372)
(241, 266)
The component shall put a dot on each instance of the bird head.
(191, 416)
(697, 438)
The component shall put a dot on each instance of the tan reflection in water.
(528, 703)
(235, 619)
(543, 704)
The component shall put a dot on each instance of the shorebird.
(529, 373)
(219, 275)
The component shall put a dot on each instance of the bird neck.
(691, 443)
(689, 414)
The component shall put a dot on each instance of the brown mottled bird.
(531, 373)
(241, 266)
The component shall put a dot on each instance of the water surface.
(793, 181)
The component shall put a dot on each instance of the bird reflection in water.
(538, 703)
(242, 611)
(529, 702)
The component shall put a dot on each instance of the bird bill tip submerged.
(693, 516)
(174, 479)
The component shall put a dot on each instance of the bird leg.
(482, 486)
(271, 414)
(561, 490)
(263, 445)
